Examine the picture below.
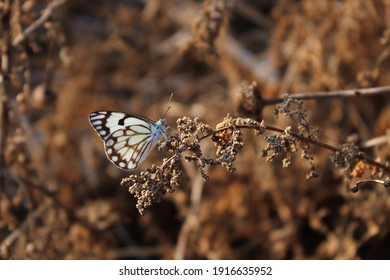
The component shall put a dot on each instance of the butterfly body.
(128, 139)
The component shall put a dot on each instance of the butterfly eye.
(128, 139)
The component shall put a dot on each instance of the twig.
(303, 139)
(192, 217)
(7, 242)
(41, 20)
(70, 213)
(261, 68)
(331, 148)
(332, 94)
(251, 13)
(380, 140)
(358, 185)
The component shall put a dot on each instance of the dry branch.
(40, 21)
(333, 94)
(7, 242)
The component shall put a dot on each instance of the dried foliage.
(246, 171)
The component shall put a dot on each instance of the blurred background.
(60, 197)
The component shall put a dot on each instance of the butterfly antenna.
(169, 106)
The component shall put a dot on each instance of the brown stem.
(303, 139)
(14, 235)
(332, 94)
(53, 196)
(51, 7)
(332, 148)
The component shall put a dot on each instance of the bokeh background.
(60, 198)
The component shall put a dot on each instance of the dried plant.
(149, 185)
(228, 139)
(250, 102)
(208, 27)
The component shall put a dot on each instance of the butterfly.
(128, 139)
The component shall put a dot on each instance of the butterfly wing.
(128, 139)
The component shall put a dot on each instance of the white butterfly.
(128, 139)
